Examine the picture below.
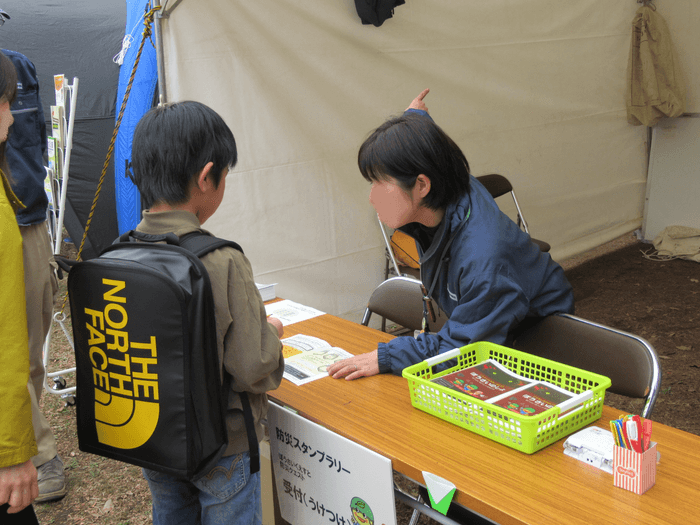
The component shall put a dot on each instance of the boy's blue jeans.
(227, 494)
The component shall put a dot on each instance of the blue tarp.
(141, 98)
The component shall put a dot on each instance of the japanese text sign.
(324, 478)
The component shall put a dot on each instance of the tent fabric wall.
(530, 89)
(79, 39)
(682, 17)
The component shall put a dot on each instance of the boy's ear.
(204, 181)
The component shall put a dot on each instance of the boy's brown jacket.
(248, 345)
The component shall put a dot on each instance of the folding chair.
(498, 185)
(400, 299)
(629, 361)
(405, 263)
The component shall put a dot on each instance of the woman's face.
(395, 206)
(6, 119)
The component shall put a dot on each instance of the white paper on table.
(312, 364)
(289, 312)
(305, 343)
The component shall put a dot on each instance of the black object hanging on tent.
(376, 11)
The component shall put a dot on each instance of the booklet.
(289, 312)
(533, 399)
(307, 358)
(483, 381)
(267, 291)
(495, 384)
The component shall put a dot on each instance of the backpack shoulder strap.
(201, 243)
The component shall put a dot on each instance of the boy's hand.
(363, 365)
(277, 324)
(418, 103)
(18, 486)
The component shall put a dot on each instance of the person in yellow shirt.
(18, 477)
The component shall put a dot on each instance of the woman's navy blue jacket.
(26, 144)
(489, 279)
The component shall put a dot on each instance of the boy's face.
(213, 198)
(395, 206)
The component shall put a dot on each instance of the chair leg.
(386, 276)
(416, 513)
(386, 265)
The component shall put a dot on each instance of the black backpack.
(148, 382)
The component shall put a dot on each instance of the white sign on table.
(323, 478)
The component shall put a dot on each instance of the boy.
(181, 155)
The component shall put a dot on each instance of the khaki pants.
(40, 288)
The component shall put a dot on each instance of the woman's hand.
(363, 365)
(418, 103)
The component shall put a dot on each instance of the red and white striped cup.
(634, 471)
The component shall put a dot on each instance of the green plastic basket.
(525, 433)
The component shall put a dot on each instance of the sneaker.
(52, 481)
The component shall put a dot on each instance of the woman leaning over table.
(477, 264)
(18, 477)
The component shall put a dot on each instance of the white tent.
(532, 89)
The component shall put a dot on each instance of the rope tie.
(148, 21)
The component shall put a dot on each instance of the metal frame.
(56, 235)
(421, 508)
(498, 185)
(654, 385)
(407, 287)
(390, 252)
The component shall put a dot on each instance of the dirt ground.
(659, 301)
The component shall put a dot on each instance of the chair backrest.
(405, 251)
(394, 264)
(400, 299)
(629, 361)
(498, 185)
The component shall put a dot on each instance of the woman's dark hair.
(172, 143)
(8, 79)
(8, 91)
(412, 144)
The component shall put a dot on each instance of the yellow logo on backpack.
(123, 372)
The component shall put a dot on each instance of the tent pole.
(162, 95)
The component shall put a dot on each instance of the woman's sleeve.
(17, 443)
(490, 305)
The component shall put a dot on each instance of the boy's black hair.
(412, 144)
(171, 145)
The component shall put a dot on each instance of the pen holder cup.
(634, 471)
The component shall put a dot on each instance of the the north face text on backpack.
(123, 372)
